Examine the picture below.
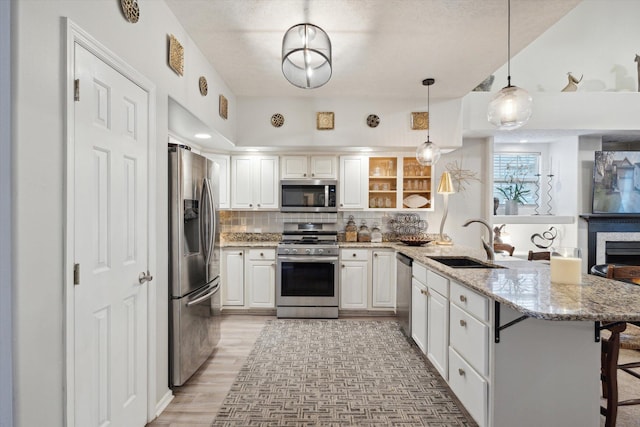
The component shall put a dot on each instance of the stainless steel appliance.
(194, 262)
(308, 195)
(403, 292)
(307, 274)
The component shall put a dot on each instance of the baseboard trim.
(164, 402)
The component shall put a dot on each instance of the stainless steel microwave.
(309, 195)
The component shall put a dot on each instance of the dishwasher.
(403, 292)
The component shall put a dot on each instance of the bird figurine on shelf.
(572, 86)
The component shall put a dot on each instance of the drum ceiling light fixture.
(512, 106)
(306, 56)
(428, 153)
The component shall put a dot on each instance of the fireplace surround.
(621, 231)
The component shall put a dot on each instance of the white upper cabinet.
(301, 167)
(223, 162)
(353, 182)
(254, 182)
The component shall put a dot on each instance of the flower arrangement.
(514, 187)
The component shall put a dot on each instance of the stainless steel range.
(307, 271)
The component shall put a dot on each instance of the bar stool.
(503, 247)
(539, 256)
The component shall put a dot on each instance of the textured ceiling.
(381, 48)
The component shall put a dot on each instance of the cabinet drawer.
(471, 389)
(438, 283)
(470, 338)
(419, 271)
(470, 301)
(354, 254)
(262, 254)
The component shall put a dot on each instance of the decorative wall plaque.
(324, 121)
(176, 55)
(420, 121)
(373, 120)
(224, 105)
(204, 86)
(277, 120)
(131, 10)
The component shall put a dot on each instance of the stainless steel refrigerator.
(194, 262)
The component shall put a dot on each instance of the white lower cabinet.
(419, 307)
(250, 272)
(438, 331)
(354, 278)
(232, 277)
(470, 387)
(383, 277)
(260, 278)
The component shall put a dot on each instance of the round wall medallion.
(204, 87)
(131, 10)
(373, 120)
(277, 120)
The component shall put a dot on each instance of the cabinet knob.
(355, 255)
(304, 174)
(240, 253)
(313, 174)
(463, 323)
(463, 298)
(342, 265)
(375, 255)
(258, 204)
(261, 254)
(461, 372)
(424, 292)
(250, 205)
(341, 205)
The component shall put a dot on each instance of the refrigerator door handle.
(211, 216)
(199, 299)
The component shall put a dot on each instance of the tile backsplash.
(273, 222)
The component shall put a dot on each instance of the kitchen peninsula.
(515, 349)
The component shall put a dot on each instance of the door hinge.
(76, 274)
(76, 90)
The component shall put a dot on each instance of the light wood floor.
(196, 403)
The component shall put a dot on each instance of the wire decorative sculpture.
(537, 194)
(462, 177)
(544, 240)
(549, 196)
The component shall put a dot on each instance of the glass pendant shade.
(510, 108)
(306, 56)
(427, 153)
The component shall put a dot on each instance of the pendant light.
(306, 56)
(428, 153)
(512, 106)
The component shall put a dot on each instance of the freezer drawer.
(195, 331)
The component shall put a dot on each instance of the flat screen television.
(616, 182)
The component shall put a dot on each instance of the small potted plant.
(514, 190)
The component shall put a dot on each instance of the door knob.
(144, 277)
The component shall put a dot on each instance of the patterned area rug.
(309, 372)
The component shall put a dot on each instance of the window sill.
(533, 219)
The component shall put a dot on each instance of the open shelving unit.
(383, 182)
(416, 184)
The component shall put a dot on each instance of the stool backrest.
(623, 271)
(539, 256)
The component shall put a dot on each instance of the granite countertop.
(526, 287)
(523, 285)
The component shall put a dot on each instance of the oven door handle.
(305, 258)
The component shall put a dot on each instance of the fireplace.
(613, 238)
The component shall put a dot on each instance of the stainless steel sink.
(463, 262)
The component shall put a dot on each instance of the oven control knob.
(294, 251)
(320, 251)
(307, 251)
(286, 251)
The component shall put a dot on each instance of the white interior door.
(111, 246)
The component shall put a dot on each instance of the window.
(515, 176)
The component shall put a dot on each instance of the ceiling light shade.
(306, 56)
(512, 106)
(428, 153)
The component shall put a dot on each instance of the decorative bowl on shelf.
(415, 201)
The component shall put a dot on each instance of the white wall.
(6, 207)
(39, 74)
(597, 39)
(350, 127)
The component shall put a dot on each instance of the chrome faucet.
(488, 247)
